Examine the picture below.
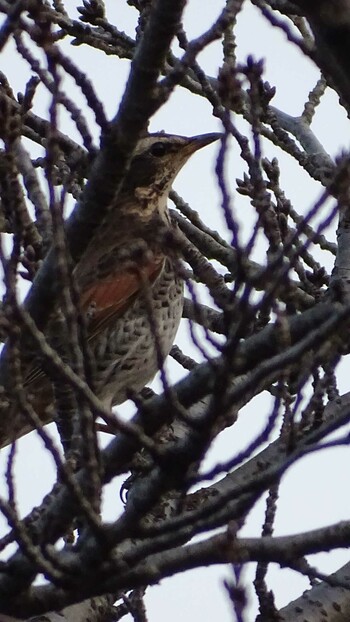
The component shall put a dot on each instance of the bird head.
(157, 160)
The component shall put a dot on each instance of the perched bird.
(131, 292)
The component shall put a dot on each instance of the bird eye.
(158, 149)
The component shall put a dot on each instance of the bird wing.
(107, 299)
(104, 300)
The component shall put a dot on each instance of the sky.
(309, 497)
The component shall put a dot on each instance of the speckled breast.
(128, 353)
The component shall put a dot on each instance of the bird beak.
(197, 142)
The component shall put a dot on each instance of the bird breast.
(129, 352)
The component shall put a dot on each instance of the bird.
(129, 283)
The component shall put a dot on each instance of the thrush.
(131, 290)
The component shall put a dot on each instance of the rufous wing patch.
(108, 298)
